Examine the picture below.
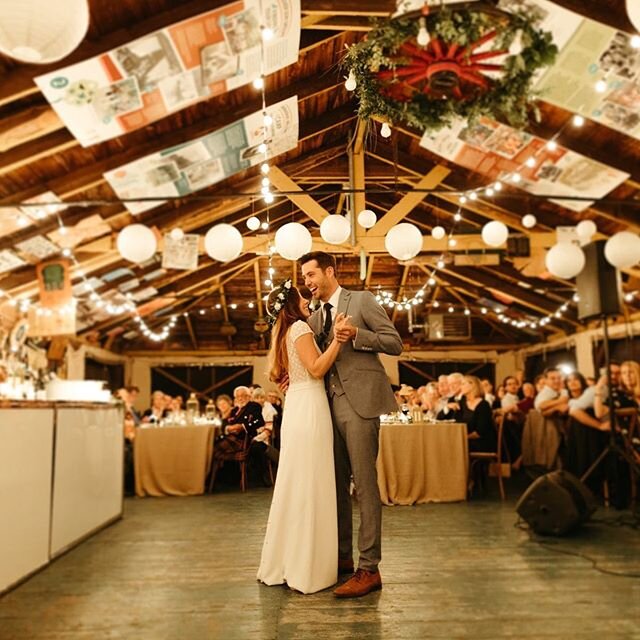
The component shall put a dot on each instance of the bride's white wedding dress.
(301, 542)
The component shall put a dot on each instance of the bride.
(301, 543)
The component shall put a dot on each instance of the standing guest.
(489, 395)
(511, 398)
(529, 392)
(539, 382)
(575, 385)
(625, 395)
(630, 378)
(519, 376)
(158, 409)
(133, 392)
(477, 415)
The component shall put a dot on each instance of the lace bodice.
(297, 371)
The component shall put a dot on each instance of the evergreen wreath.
(428, 86)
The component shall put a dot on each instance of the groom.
(359, 392)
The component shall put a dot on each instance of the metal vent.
(447, 326)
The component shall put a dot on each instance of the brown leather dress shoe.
(345, 565)
(360, 584)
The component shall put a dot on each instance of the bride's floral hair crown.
(279, 300)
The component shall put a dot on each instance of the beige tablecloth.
(172, 461)
(422, 462)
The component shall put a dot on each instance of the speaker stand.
(614, 447)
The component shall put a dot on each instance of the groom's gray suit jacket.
(358, 372)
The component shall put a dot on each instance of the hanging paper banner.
(181, 170)
(496, 150)
(180, 253)
(597, 53)
(143, 81)
(54, 283)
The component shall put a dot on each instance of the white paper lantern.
(367, 218)
(495, 233)
(437, 233)
(253, 223)
(137, 243)
(223, 242)
(622, 250)
(42, 31)
(565, 260)
(633, 11)
(293, 240)
(404, 241)
(529, 221)
(335, 229)
(177, 234)
(585, 229)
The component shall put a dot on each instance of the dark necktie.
(327, 318)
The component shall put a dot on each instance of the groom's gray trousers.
(355, 447)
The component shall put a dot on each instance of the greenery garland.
(508, 98)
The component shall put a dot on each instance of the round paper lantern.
(223, 242)
(253, 223)
(404, 241)
(293, 240)
(495, 233)
(633, 11)
(565, 260)
(585, 229)
(137, 243)
(622, 250)
(41, 31)
(335, 229)
(437, 233)
(177, 234)
(529, 221)
(367, 218)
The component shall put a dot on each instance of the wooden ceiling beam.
(407, 203)
(371, 8)
(281, 181)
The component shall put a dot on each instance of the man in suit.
(359, 392)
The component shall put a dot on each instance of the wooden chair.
(488, 458)
(240, 457)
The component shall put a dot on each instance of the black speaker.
(556, 503)
(598, 284)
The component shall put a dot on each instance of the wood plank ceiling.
(38, 154)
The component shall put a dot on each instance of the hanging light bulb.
(578, 120)
(423, 35)
(635, 41)
(265, 168)
(498, 186)
(265, 182)
(601, 86)
(530, 162)
(552, 145)
(258, 83)
(516, 177)
(463, 199)
(265, 226)
(267, 33)
(385, 130)
(262, 147)
(269, 198)
(351, 83)
(267, 119)
(473, 195)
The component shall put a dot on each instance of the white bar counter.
(61, 480)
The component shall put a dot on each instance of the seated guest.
(552, 399)
(276, 401)
(224, 405)
(432, 403)
(268, 414)
(244, 419)
(489, 395)
(455, 402)
(443, 386)
(158, 409)
(477, 415)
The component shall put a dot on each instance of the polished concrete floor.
(184, 568)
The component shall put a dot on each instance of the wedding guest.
(224, 405)
(276, 401)
(511, 398)
(477, 415)
(432, 403)
(456, 399)
(575, 385)
(268, 414)
(529, 393)
(539, 382)
(489, 395)
(552, 399)
(133, 392)
(582, 407)
(443, 386)
(158, 409)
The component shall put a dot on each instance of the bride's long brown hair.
(278, 358)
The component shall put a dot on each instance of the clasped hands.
(343, 330)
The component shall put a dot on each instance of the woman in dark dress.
(477, 414)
